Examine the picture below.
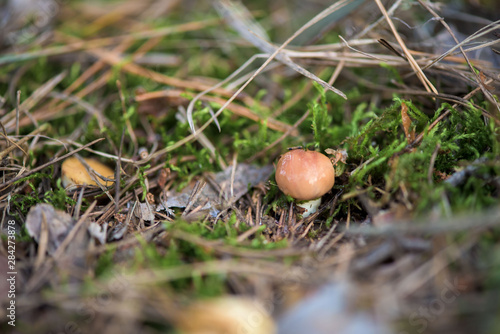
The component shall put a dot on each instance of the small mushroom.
(225, 315)
(305, 176)
(74, 173)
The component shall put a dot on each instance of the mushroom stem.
(309, 207)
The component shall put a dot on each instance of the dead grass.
(81, 85)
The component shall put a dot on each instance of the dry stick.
(62, 247)
(294, 100)
(233, 172)
(318, 245)
(359, 51)
(100, 82)
(128, 124)
(421, 275)
(95, 176)
(42, 243)
(18, 101)
(445, 97)
(248, 233)
(4, 134)
(78, 205)
(10, 148)
(39, 168)
(108, 208)
(100, 64)
(234, 84)
(482, 220)
(414, 65)
(116, 60)
(118, 172)
(102, 154)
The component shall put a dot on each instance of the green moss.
(379, 150)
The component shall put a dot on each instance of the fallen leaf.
(410, 135)
(59, 224)
(98, 232)
(338, 155)
(339, 160)
(145, 211)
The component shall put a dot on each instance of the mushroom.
(74, 173)
(225, 315)
(305, 176)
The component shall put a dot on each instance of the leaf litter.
(413, 215)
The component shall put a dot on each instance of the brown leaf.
(145, 211)
(59, 223)
(410, 135)
(338, 155)
(483, 79)
(163, 178)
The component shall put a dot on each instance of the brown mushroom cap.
(73, 172)
(225, 315)
(305, 175)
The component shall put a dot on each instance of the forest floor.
(190, 104)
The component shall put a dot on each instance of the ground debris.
(226, 186)
(56, 222)
(328, 310)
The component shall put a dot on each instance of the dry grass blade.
(240, 19)
(414, 65)
(9, 120)
(102, 42)
(242, 22)
(369, 28)
(239, 110)
(22, 141)
(485, 91)
(41, 167)
(176, 229)
(483, 31)
(314, 20)
(203, 140)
